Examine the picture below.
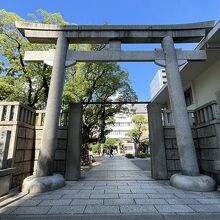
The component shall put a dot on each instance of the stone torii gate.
(115, 35)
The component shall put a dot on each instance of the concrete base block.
(201, 183)
(35, 184)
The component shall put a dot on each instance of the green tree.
(137, 133)
(30, 82)
(111, 142)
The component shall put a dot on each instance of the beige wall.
(206, 85)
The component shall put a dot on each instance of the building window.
(188, 97)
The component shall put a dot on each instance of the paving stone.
(85, 191)
(25, 202)
(133, 190)
(161, 195)
(67, 209)
(118, 201)
(206, 208)
(76, 196)
(47, 196)
(97, 209)
(87, 202)
(182, 201)
(105, 187)
(173, 208)
(150, 201)
(127, 188)
(137, 208)
(60, 202)
(189, 196)
(82, 187)
(164, 190)
(117, 191)
(211, 194)
(209, 201)
(133, 195)
(31, 210)
(7, 210)
(118, 183)
(104, 196)
(67, 191)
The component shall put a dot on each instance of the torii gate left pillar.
(45, 164)
(51, 123)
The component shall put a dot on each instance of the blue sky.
(124, 12)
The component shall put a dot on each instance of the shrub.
(148, 154)
(96, 148)
(141, 155)
(129, 156)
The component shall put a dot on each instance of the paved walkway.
(115, 168)
(117, 189)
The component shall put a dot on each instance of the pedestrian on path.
(111, 152)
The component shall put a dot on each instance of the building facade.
(158, 82)
(123, 124)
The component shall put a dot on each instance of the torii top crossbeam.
(181, 33)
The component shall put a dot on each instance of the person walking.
(111, 152)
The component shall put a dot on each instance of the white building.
(158, 82)
(123, 123)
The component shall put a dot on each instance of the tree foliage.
(140, 126)
(84, 82)
(30, 82)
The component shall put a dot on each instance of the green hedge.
(129, 156)
(143, 155)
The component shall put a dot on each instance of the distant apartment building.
(158, 82)
(123, 123)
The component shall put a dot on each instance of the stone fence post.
(157, 146)
(73, 160)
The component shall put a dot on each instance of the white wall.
(206, 85)
(157, 82)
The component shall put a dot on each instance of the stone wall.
(60, 156)
(172, 155)
(206, 142)
(24, 154)
(209, 149)
(26, 126)
(27, 152)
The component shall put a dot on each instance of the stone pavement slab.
(94, 209)
(31, 210)
(182, 201)
(67, 209)
(59, 202)
(161, 195)
(119, 201)
(173, 208)
(137, 208)
(206, 208)
(150, 201)
(87, 202)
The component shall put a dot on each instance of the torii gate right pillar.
(190, 179)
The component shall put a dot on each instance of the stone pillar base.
(35, 184)
(201, 183)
